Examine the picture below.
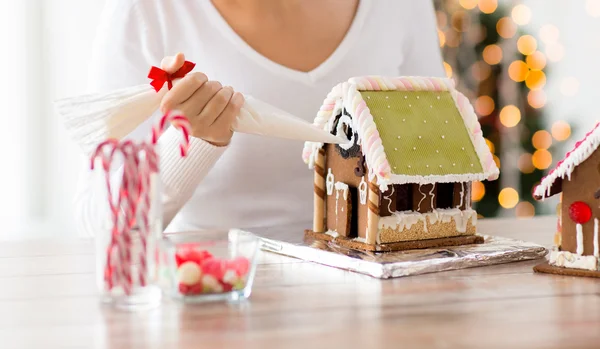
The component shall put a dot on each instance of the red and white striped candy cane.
(179, 121)
(132, 204)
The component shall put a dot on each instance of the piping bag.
(92, 118)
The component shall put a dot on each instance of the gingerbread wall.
(343, 171)
(585, 181)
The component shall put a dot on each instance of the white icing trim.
(330, 180)
(432, 197)
(345, 120)
(389, 199)
(341, 186)
(423, 198)
(596, 242)
(570, 260)
(574, 158)
(462, 194)
(372, 146)
(579, 229)
(362, 189)
(332, 233)
(406, 219)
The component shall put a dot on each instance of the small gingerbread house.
(403, 179)
(577, 177)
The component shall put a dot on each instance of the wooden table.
(47, 301)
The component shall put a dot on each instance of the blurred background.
(529, 67)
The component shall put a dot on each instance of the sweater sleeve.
(128, 42)
(423, 56)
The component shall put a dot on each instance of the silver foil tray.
(290, 241)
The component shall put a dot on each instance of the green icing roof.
(422, 133)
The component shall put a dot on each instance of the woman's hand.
(210, 107)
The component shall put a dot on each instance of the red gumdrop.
(214, 267)
(580, 212)
(196, 289)
(191, 255)
(226, 287)
(241, 265)
(184, 289)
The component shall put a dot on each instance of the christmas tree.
(500, 67)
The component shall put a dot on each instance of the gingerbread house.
(403, 180)
(577, 177)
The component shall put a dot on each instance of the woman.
(289, 53)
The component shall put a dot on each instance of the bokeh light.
(521, 14)
(488, 6)
(490, 145)
(569, 86)
(510, 116)
(460, 21)
(525, 209)
(536, 61)
(592, 7)
(448, 69)
(484, 105)
(527, 44)
(508, 198)
(480, 70)
(536, 80)
(453, 38)
(541, 140)
(468, 4)
(506, 27)
(536, 98)
(524, 163)
(442, 19)
(555, 52)
(541, 159)
(441, 38)
(476, 34)
(477, 191)
(518, 71)
(549, 34)
(492, 54)
(561, 131)
(496, 160)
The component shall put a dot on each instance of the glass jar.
(208, 265)
(127, 246)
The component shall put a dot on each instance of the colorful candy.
(199, 272)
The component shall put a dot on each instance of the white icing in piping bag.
(91, 119)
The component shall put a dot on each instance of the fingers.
(230, 113)
(183, 91)
(215, 106)
(194, 105)
(171, 64)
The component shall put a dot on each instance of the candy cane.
(133, 201)
(179, 121)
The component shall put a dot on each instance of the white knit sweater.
(255, 181)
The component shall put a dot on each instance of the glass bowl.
(208, 265)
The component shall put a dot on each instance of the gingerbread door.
(343, 212)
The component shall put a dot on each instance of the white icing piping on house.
(389, 198)
(579, 229)
(577, 156)
(330, 181)
(462, 194)
(570, 260)
(423, 198)
(362, 188)
(400, 221)
(341, 186)
(432, 197)
(596, 252)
